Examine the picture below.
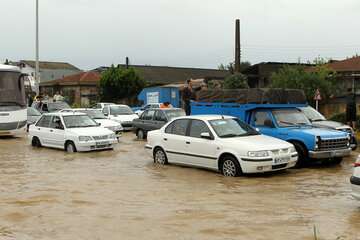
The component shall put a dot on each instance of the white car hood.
(124, 118)
(256, 143)
(90, 131)
(107, 123)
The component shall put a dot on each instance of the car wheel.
(302, 155)
(35, 142)
(230, 167)
(160, 157)
(70, 147)
(140, 134)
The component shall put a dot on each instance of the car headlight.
(258, 154)
(85, 138)
(292, 149)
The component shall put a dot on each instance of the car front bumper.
(330, 154)
(355, 186)
(266, 165)
(95, 145)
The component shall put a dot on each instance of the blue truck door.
(262, 119)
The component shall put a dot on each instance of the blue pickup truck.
(287, 122)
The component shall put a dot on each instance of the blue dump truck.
(280, 118)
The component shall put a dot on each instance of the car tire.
(140, 134)
(302, 155)
(35, 142)
(230, 167)
(160, 156)
(70, 147)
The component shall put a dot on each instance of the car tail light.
(357, 164)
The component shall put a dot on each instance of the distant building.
(48, 70)
(82, 88)
(160, 75)
(259, 74)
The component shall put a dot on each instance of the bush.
(341, 117)
(236, 81)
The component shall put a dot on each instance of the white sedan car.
(122, 114)
(100, 118)
(221, 143)
(71, 132)
(355, 180)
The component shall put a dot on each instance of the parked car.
(222, 143)
(100, 118)
(147, 106)
(153, 119)
(70, 131)
(102, 105)
(318, 120)
(49, 107)
(121, 114)
(33, 116)
(355, 180)
(288, 123)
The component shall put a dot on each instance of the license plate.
(102, 143)
(281, 160)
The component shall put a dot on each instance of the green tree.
(308, 79)
(120, 83)
(231, 66)
(236, 81)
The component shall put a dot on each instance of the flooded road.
(49, 194)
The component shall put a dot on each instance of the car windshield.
(120, 110)
(290, 117)
(56, 106)
(33, 112)
(79, 121)
(174, 113)
(312, 114)
(232, 127)
(94, 114)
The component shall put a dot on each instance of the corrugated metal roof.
(51, 65)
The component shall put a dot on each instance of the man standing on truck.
(188, 94)
(351, 108)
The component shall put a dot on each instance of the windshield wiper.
(231, 135)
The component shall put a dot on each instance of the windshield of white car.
(33, 112)
(290, 117)
(79, 121)
(312, 114)
(120, 110)
(174, 113)
(56, 106)
(232, 127)
(94, 114)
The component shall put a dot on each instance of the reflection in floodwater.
(121, 194)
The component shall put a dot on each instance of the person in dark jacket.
(188, 94)
(351, 108)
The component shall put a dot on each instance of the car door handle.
(51, 130)
(165, 139)
(187, 142)
(39, 129)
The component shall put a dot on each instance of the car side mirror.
(257, 129)
(269, 123)
(99, 124)
(206, 135)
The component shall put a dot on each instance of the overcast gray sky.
(190, 33)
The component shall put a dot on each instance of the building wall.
(49, 74)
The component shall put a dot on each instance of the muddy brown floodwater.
(121, 194)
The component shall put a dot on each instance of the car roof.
(206, 117)
(164, 109)
(64, 114)
(121, 105)
(80, 109)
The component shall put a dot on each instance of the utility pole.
(37, 70)
(237, 46)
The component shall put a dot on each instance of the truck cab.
(286, 122)
(290, 124)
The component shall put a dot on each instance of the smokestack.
(237, 46)
(127, 62)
